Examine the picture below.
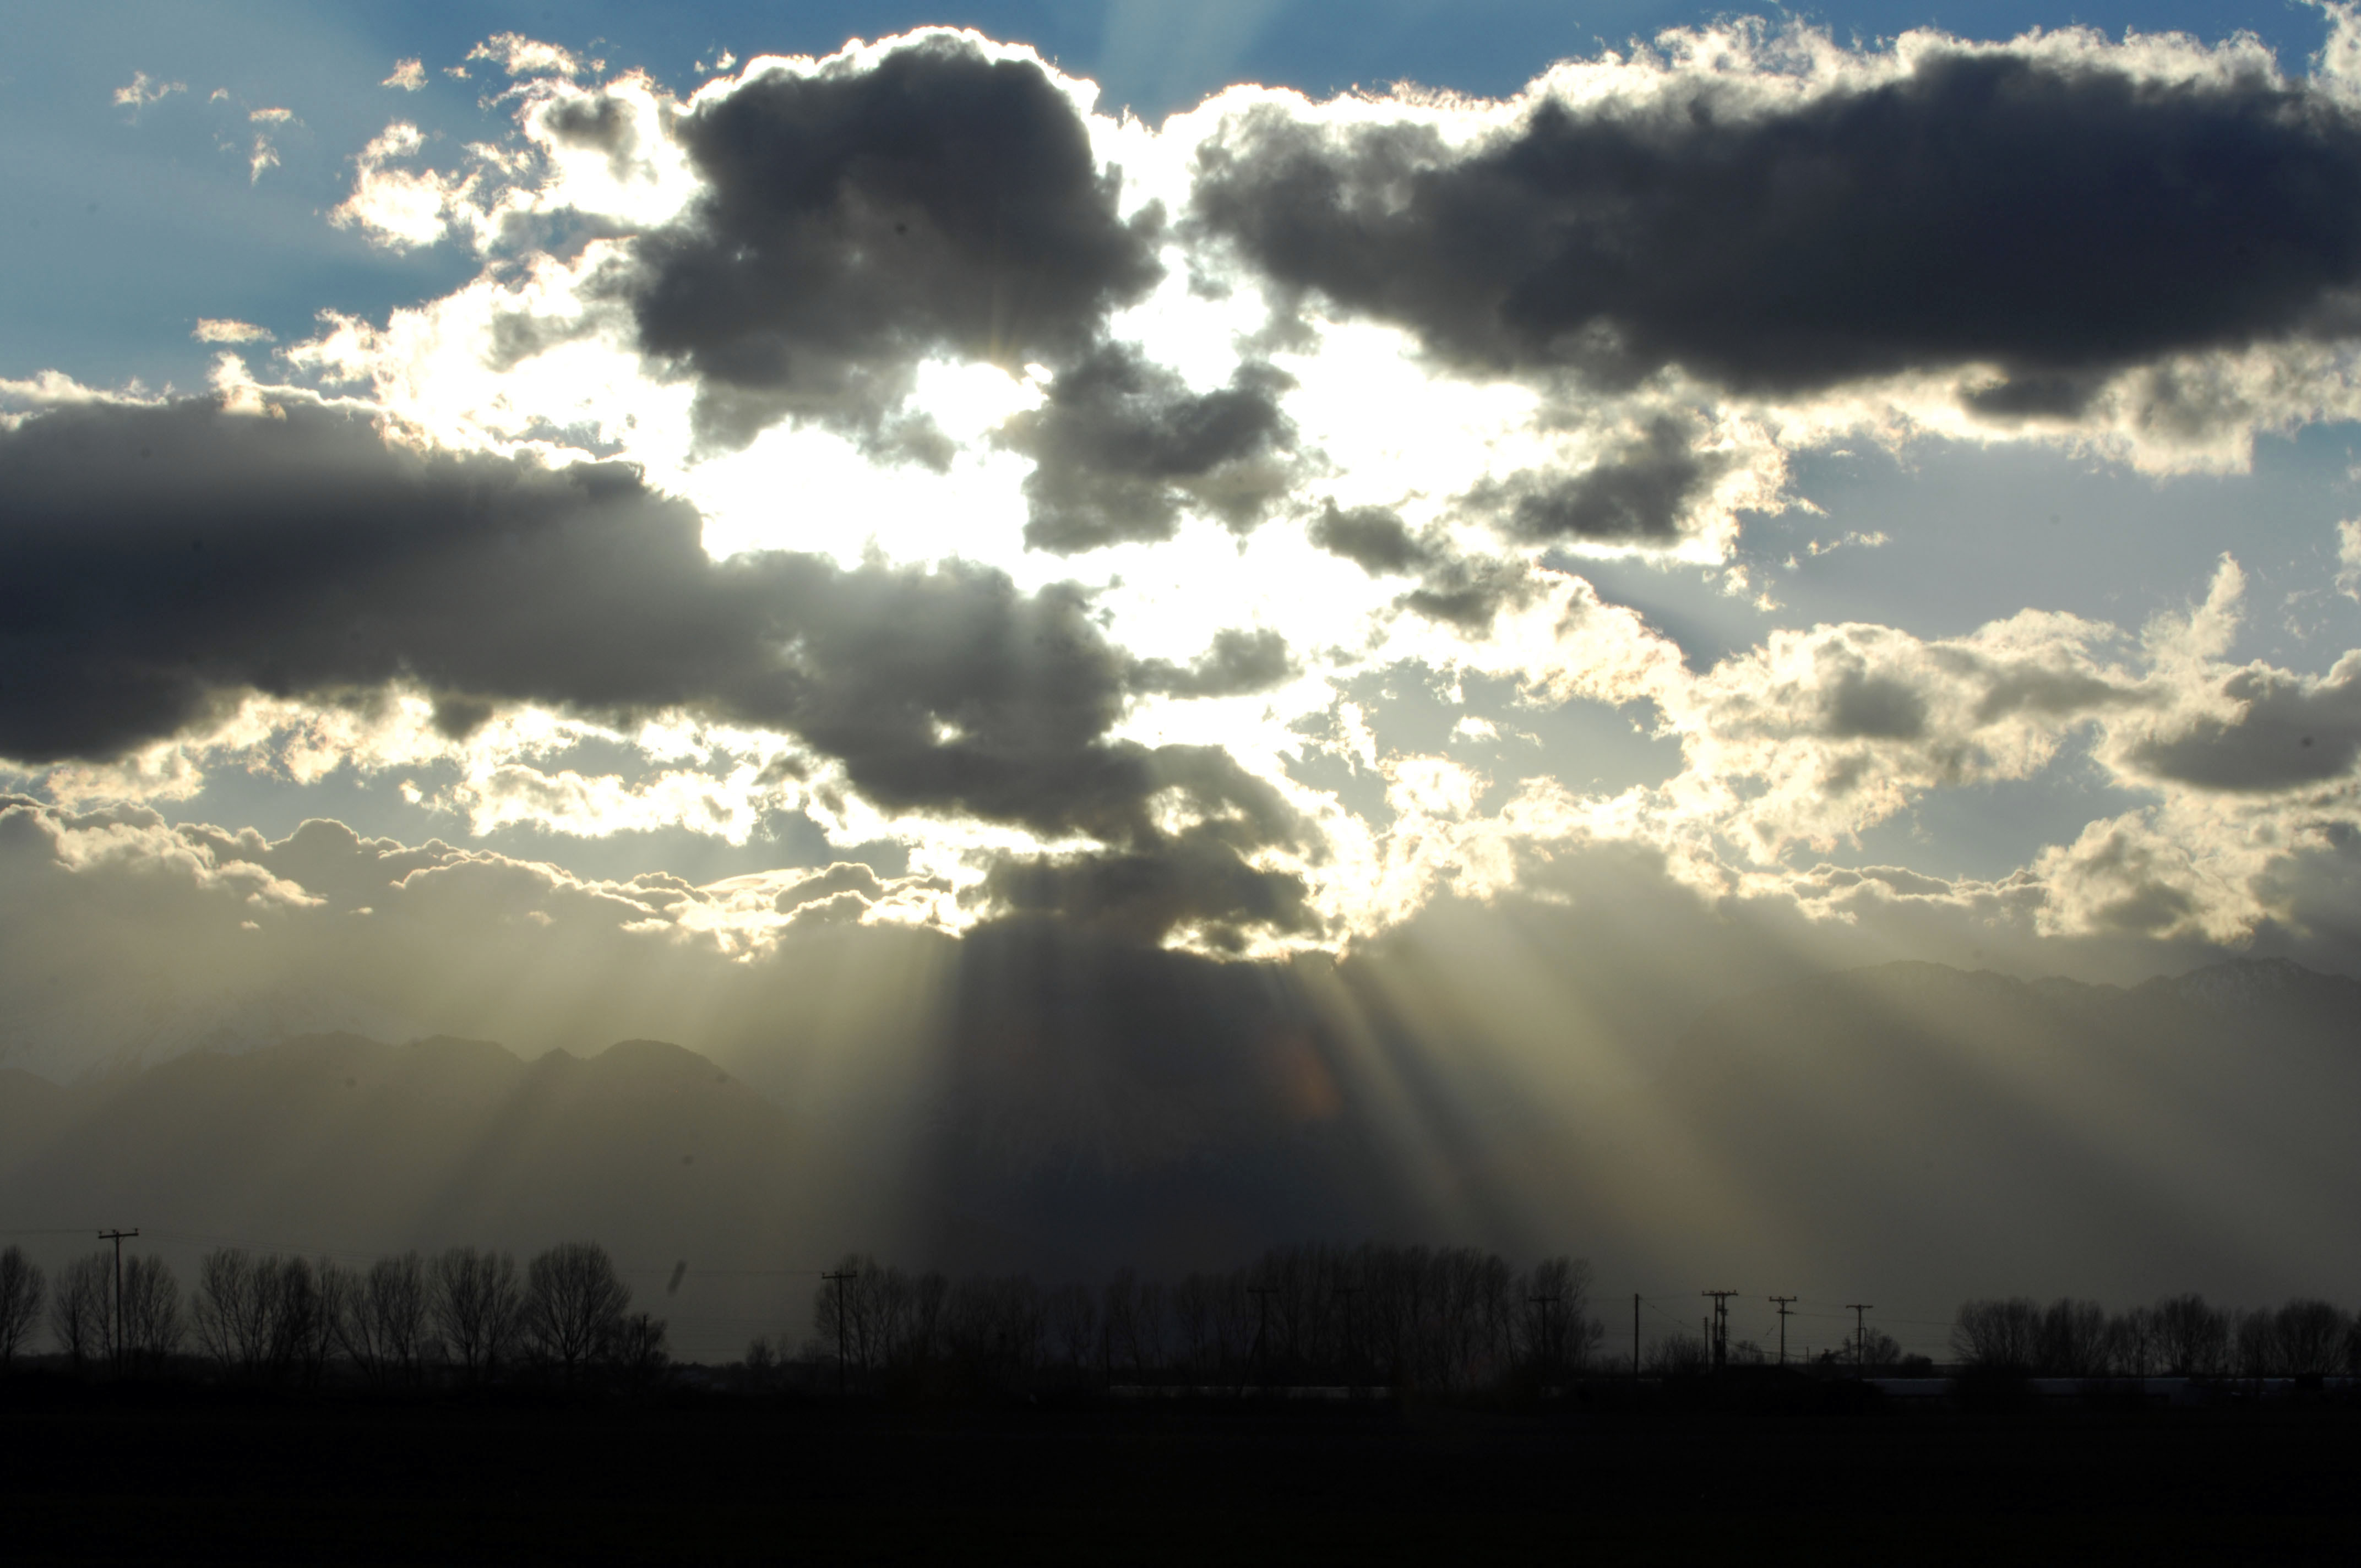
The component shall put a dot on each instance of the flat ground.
(173, 1477)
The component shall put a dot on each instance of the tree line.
(1446, 1318)
(289, 1321)
(2178, 1336)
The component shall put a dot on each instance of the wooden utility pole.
(838, 1278)
(1719, 1329)
(114, 1325)
(1782, 1304)
(1860, 1336)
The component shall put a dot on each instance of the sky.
(727, 522)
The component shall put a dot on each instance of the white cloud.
(222, 329)
(409, 75)
(145, 90)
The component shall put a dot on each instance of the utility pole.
(114, 1335)
(1860, 1336)
(838, 1278)
(1719, 1332)
(1782, 1304)
(1262, 1294)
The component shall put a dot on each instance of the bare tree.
(2309, 1338)
(638, 1349)
(1998, 1336)
(153, 1326)
(1679, 1353)
(233, 1315)
(1194, 1316)
(2134, 1349)
(574, 1306)
(82, 1310)
(267, 1318)
(1555, 1332)
(1074, 1328)
(22, 1288)
(2073, 1339)
(2192, 1339)
(2255, 1344)
(477, 1304)
(382, 1322)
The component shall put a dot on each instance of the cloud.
(1778, 216)
(1238, 662)
(2286, 731)
(220, 329)
(1372, 538)
(930, 198)
(145, 90)
(1122, 447)
(409, 75)
(2348, 559)
(171, 560)
(521, 55)
(1646, 492)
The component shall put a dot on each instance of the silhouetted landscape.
(449, 1219)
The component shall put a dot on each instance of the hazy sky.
(1122, 569)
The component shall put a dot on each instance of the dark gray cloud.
(157, 564)
(2292, 732)
(1643, 492)
(2058, 219)
(1860, 706)
(1143, 893)
(1238, 663)
(857, 220)
(1372, 538)
(1468, 592)
(1122, 447)
(598, 121)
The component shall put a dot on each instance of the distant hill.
(340, 1143)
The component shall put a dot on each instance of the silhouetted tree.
(2073, 1339)
(81, 1309)
(1074, 1329)
(22, 1291)
(267, 1318)
(152, 1324)
(1556, 1332)
(2308, 1338)
(2254, 1344)
(382, 1318)
(1677, 1355)
(638, 1349)
(2134, 1348)
(1998, 1336)
(2192, 1339)
(477, 1307)
(574, 1306)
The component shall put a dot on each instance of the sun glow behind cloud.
(1415, 495)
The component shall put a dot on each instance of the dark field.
(188, 1479)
